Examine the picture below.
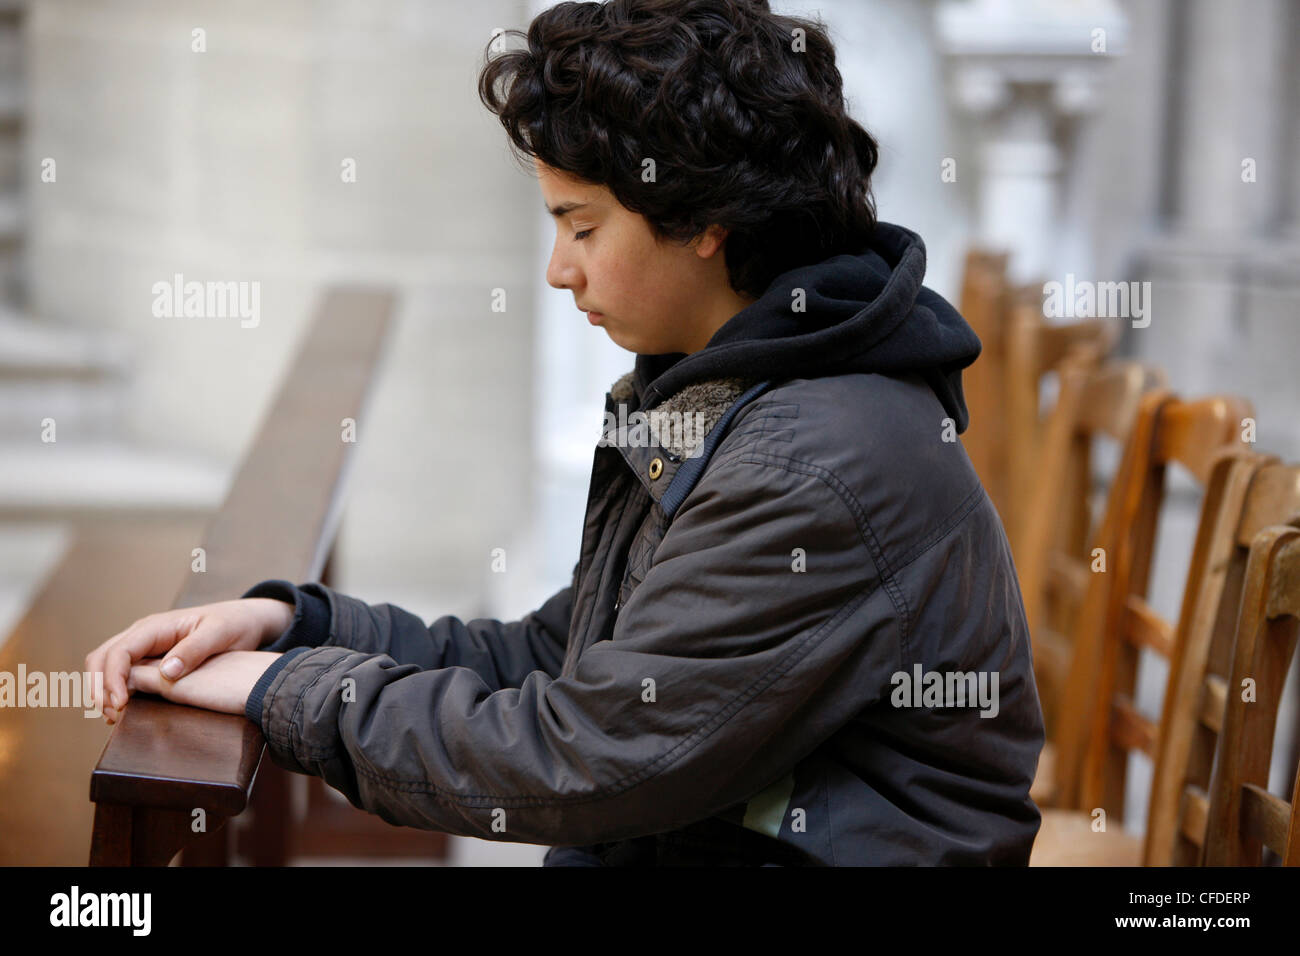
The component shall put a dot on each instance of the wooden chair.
(1099, 724)
(1253, 493)
(1002, 387)
(985, 293)
(1095, 402)
(1191, 434)
(1246, 629)
(1034, 350)
(1243, 817)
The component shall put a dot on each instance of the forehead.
(560, 187)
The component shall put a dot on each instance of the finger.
(145, 677)
(97, 661)
(154, 639)
(204, 641)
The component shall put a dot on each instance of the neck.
(715, 316)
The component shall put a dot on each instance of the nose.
(561, 273)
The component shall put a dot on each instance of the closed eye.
(579, 236)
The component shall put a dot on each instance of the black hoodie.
(866, 312)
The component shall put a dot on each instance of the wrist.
(275, 616)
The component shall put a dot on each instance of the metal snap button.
(656, 468)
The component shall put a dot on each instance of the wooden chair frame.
(1095, 400)
(1246, 495)
(1243, 817)
(1098, 723)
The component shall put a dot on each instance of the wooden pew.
(279, 519)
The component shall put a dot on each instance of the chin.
(639, 346)
(624, 342)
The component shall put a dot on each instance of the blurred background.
(1098, 138)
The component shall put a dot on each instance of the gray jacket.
(794, 635)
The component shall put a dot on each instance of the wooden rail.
(163, 761)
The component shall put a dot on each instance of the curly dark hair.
(748, 129)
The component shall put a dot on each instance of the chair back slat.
(1192, 433)
(1145, 628)
(1274, 499)
(1111, 396)
(1129, 729)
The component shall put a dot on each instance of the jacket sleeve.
(727, 666)
(501, 653)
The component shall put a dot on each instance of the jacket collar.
(673, 431)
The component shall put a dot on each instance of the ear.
(710, 241)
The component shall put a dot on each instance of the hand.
(192, 634)
(222, 683)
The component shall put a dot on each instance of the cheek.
(647, 281)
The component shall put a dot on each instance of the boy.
(794, 634)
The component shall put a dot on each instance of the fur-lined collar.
(708, 399)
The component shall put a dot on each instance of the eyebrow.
(564, 208)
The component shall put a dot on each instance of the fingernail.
(172, 668)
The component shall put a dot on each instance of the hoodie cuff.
(253, 706)
(311, 615)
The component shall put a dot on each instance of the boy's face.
(651, 298)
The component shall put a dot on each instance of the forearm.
(502, 653)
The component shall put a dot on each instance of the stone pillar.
(1290, 114)
(1218, 268)
(1022, 69)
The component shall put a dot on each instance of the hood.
(864, 312)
